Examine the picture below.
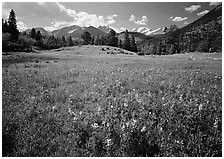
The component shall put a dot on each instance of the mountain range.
(76, 31)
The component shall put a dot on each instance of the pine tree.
(33, 33)
(70, 41)
(112, 39)
(86, 36)
(64, 43)
(12, 26)
(93, 40)
(120, 44)
(4, 26)
(133, 44)
(38, 36)
(97, 41)
(126, 44)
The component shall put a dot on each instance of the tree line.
(203, 38)
(13, 40)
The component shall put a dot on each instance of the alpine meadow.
(103, 79)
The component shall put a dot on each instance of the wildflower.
(216, 123)
(200, 107)
(80, 113)
(143, 129)
(109, 142)
(75, 118)
(123, 127)
(99, 109)
(104, 122)
(54, 107)
(133, 123)
(179, 142)
(125, 104)
(95, 125)
(111, 106)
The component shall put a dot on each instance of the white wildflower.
(200, 107)
(123, 127)
(95, 125)
(109, 142)
(216, 123)
(75, 118)
(125, 104)
(111, 106)
(143, 129)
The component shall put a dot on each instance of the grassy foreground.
(81, 103)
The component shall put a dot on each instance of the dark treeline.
(203, 38)
(13, 40)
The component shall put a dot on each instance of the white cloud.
(132, 18)
(214, 3)
(186, 23)
(171, 17)
(21, 26)
(57, 25)
(112, 21)
(123, 28)
(86, 19)
(192, 8)
(203, 12)
(5, 11)
(41, 3)
(179, 19)
(143, 21)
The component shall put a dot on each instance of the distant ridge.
(212, 15)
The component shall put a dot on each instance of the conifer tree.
(112, 39)
(38, 36)
(4, 26)
(33, 33)
(93, 40)
(97, 41)
(133, 44)
(70, 41)
(86, 36)
(120, 44)
(127, 43)
(64, 43)
(12, 26)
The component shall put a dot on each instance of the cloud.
(171, 17)
(186, 23)
(123, 28)
(143, 21)
(57, 25)
(86, 19)
(179, 19)
(192, 8)
(5, 11)
(21, 26)
(132, 18)
(41, 3)
(203, 12)
(214, 3)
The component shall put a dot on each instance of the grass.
(66, 103)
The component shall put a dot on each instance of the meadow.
(90, 101)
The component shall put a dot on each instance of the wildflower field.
(83, 102)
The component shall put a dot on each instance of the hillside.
(212, 15)
(42, 31)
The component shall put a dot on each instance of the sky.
(117, 15)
